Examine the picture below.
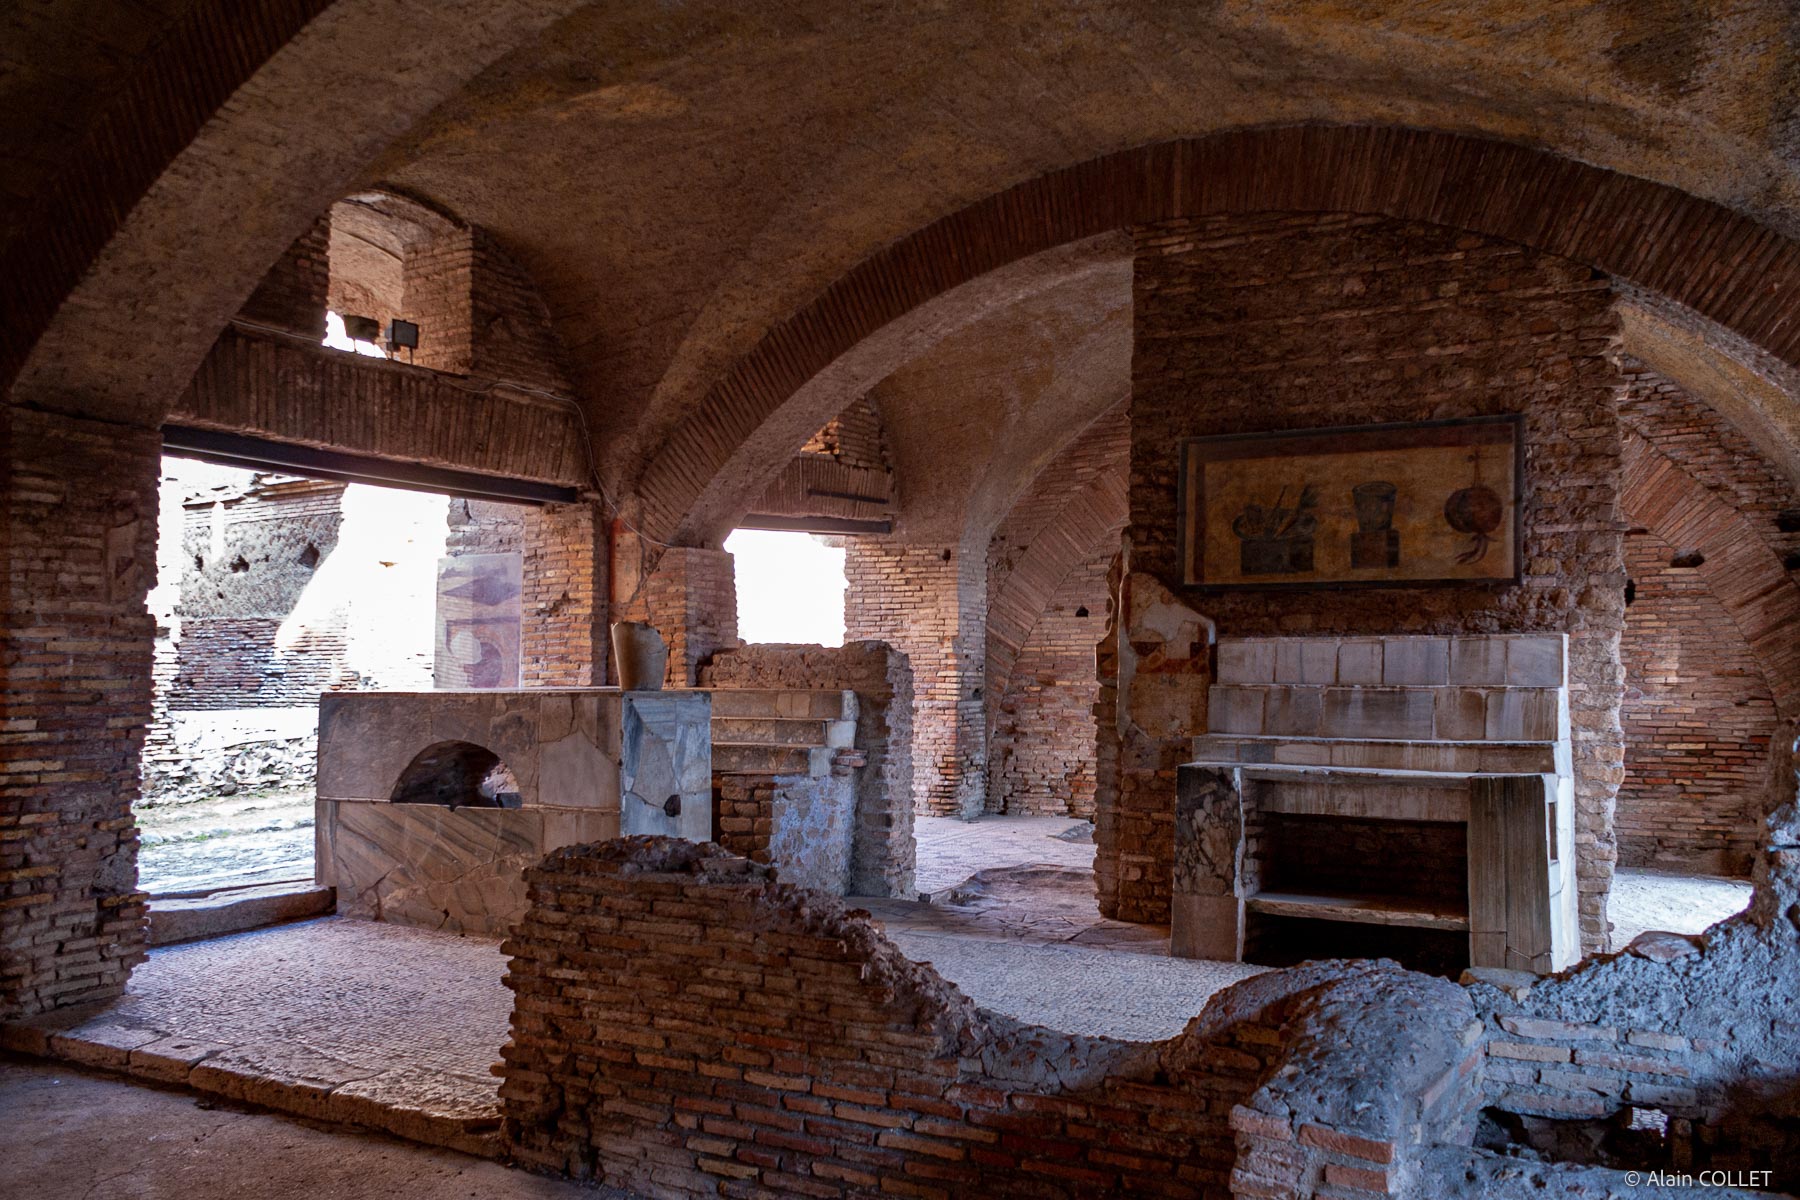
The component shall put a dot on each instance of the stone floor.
(949, 850)
(1644, 900)
(97, 1138)
(377, 1025)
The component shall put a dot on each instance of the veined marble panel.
(456, 869)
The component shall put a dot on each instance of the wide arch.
(1725, 267)
(1743, 572)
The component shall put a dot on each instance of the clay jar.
(641, 656)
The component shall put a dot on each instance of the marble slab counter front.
(524, 772)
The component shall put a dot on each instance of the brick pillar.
(690, 596)
(931, 604)
(563, 640)
(78, 540)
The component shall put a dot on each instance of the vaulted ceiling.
(683, 179)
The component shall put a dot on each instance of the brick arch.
(1728, 268)
(1742, 571)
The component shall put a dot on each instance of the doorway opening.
(790, 586)
(275, 587)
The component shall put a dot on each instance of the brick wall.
(929, 602)
(563, 635)
(292, 295)
(854, 437)
(1710, 449)
(563, 626)
(479, 314)
(78, 542)
(882, 847)
(251, 553)
(484, 527)
(1300, 321)
(1041, 744)
(1698, 717)
(253, 383)
(742, 1037)
(690, 596)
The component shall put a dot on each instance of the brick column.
(931, 604)
(690, 596)
(78, 540)
(563, 638)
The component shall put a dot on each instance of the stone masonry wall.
(1269, 322)
(1698, 716)
(882, 846)
(930, 603)
(78, 543)
(1041, 749)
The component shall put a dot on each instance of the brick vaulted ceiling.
(721, 202)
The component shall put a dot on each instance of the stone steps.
(789, 704)
(758, 758)
(784, 731)
(780, 731)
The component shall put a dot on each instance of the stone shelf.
(1415, 912)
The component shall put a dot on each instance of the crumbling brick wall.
(882, 846)
(1698, 716)
(246, 558)
(78, 536)
(930, 603)
(741, 1035)
(1295, 321)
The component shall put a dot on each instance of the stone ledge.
(189, 919)
(255, 1076)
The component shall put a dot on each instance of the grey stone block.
(1306, 660)
(1522, 715)
(1246, 661)
(1461, 714)
(1393, 713)
(1359, 661)
(1536, 660)
(1293, 711)
(1234, 709)
(1415, 661)
(1478, 661)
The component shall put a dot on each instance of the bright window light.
(790, 587)
(337, 339)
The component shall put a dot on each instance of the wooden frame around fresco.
(1196, 452)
